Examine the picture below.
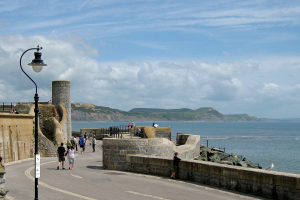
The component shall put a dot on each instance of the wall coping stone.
(22, 116)
(249, 174)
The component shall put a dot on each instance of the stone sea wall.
(116, 150)
(269, 184)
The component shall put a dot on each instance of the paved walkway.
(89, 181)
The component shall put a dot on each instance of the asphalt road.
(89, 181)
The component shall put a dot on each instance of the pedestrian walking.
(75, 143)
(82, 143)
(175, 165)
(61, 155)
(94, 143)
(71, 156)
(69, 144)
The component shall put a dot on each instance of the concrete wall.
(115, 150)
(259, 182)
(16, 135)
(61, 94)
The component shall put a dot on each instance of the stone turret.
(61, 94)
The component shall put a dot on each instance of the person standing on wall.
(175, 164)
(61, 155)
(82, 143)
(94, 143)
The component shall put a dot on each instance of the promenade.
(88, 180)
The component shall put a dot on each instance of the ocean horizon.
(262, 143)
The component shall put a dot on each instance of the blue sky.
(234, 56)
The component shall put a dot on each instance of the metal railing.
(7, 107)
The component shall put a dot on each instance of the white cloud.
(115, 17)
(146, 83)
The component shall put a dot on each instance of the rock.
(241, 163)
(226, 162)
(234, 155)
(219, 156)
(223, 156)
(234, 160)
(204, 159)
(249, 164)
(204, 154)
(216, 149)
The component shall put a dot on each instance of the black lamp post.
(37, 65)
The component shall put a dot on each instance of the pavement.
(88, 180)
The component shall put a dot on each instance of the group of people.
(61, 153)
(70, 153)
(155, 125)
(131, 125)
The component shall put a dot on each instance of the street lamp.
(37, 65)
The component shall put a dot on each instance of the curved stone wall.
(115, 150)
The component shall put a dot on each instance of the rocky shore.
(219, 156)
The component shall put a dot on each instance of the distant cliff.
(90, 113)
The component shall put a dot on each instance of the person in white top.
(71, 155)
(94, 143)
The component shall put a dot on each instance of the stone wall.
(45, 147)
(269, 184)
(115, 150)
(48, 112)
(16, 136)
(159, 132)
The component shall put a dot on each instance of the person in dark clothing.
(61, 155)
(1, 163)
(175, 164)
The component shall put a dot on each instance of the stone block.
(287, 181)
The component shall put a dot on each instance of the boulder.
(226, 162)
(241, 163)
(216, 149)
(249, 164)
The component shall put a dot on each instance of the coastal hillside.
(86, 112)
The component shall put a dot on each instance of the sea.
(262, 143)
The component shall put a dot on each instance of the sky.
(239, 57)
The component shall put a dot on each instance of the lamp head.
(37, 63)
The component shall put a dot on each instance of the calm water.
(262, 143)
